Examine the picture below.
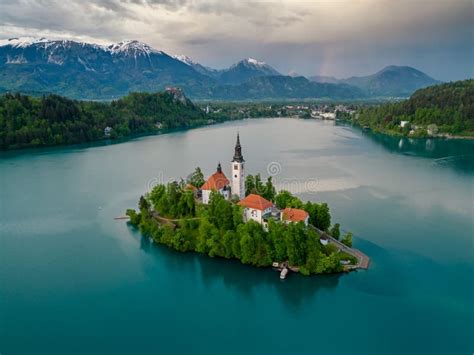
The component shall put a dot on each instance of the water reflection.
(246, 280)
(457, 154)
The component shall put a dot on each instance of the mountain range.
(91, 71)
(390, 81)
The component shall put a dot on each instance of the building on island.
(217, 182)
(294, 215)
(238, 172)
(256, 208)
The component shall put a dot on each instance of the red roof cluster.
(215, 182)
(256, 202)
(294, 215)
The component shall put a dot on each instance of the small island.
(245, 219)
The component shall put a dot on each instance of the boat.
(283, 273)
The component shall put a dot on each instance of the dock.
(284, 268)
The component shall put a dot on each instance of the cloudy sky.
(326, 37)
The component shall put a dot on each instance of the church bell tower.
(238, 174)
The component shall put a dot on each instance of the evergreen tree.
(269, 190)
(323, 219)
(283, 198)
(335, 232)
(197, 178)
(249, 185)
(347, 239)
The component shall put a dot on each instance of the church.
(219, 182)
(254, 206)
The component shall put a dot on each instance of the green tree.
(247, 246)
(237, 216)
(312, 209)
(259, 187)
(228, 241)
(295, 243)
(323, 219)
(277, 233)
(283, 198)
(215, 245)
(347, 239)
(186, 204)
(249, 185)
(269, 190)
(156, 195)
(197, 178)
(206, 230)
(143, 204)
(134, 217)
(224, 213)
(335, 231)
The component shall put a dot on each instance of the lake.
(75, 281)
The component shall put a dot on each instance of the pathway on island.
(363, 260)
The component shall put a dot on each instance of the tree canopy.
(217, 229)
(449, 106)
(54, 120)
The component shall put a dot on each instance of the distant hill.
(88, 71)
(324, 79)
(55, 120)
(244, 70)
(446, 108)
(267, 87)
(392, 81)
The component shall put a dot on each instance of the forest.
(29, 122)
(445, 109)
(170, 215)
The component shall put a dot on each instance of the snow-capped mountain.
(185, 59)
(133, 48)
(85, 70)
(23, 41)
(196, 66)
(246, 69)
(62, 52)
(90, 70)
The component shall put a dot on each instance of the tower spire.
(238, 173)
(238, 151)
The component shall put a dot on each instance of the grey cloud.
(315, 37)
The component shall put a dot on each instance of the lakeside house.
(256, 208)
(295, 215)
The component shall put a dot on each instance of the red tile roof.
(256, 202)
(294, 215)
(216, 182)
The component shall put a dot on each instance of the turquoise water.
(75, 281)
